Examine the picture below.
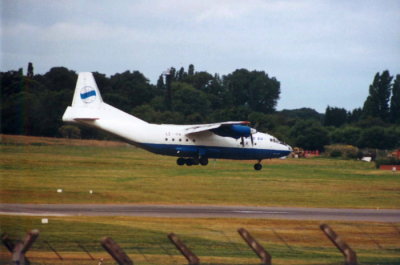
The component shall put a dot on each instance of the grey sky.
(323, 52)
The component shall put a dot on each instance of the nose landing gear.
(258, 166)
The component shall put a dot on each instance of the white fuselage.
(173, 140)
(231, 140)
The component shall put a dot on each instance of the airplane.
(192, 144)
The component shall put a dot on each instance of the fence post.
(7, 242)
(115, 251)
(185, 251)
(350, 257)
(18, 250)
(255, 246)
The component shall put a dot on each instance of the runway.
(196, 211)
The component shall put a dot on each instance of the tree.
(354, 115)
(60, 78)
(146, 113)
(103, 82)
(395, 101)
(188, 100)
(200, 80)
(181, 74)
(377, 102)
(384, 91)
(70, 132)
(191, 70)
(373, 137)
(392, 138)
(240, 113)
(302, 114)
(20, 113)
(160, 83)
(254, 89)
(263, 122)
(128, 90)
(169, 77)
(30, 70)
(309, 135)
(347, 135)
(335, 116)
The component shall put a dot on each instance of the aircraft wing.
(216, 127)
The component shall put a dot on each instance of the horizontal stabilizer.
(86, 119)
(73, 114)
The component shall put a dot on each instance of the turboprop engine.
(234, 131)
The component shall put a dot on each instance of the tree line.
(33, 104)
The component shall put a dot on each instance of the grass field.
(32, 169)
(215, 241)
(121, 174)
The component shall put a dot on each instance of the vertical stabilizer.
(86, 94)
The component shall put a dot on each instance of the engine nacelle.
(235, 131)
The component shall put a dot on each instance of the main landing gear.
(192, 161)
(204, 161)
(258, 165)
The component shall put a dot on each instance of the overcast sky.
(323, 52)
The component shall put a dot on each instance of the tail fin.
(86, 93)
(88, 106)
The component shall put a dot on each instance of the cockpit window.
(275, 140)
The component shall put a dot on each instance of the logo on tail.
(88, 94)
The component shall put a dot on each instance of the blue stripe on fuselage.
(88, 94)
(213, 151)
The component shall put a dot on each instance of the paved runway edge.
(201, 211)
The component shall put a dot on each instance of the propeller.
(252, 131)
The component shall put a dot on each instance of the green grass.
(215, 241)
(33, 173)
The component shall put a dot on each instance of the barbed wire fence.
(90, 251)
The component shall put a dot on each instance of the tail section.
(88, 107)
(87, 94)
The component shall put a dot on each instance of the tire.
(180, 161)
(257, 166)
(203, 161)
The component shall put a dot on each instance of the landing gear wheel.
(257, 166)
(203, 161)
(180, 161)
(189, 162)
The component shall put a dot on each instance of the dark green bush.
(341, 150)
(387, 161)
(336, 153)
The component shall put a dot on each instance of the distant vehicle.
(192, 144)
